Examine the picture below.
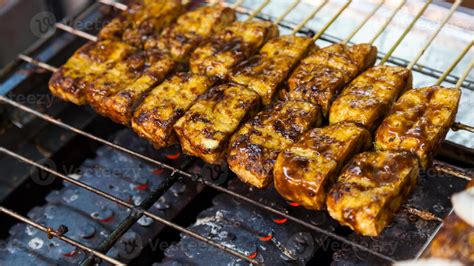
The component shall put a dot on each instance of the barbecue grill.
(124, 202)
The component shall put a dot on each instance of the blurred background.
(15, 19)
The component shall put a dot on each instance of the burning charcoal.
(91, 218)
(247, 229)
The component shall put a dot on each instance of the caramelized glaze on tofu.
(454, 241)
(321, 75)
(265, 71)
(191, 28)
(155, 117)
(205, 129)
(116, 93)
(305, 171)
(235, 43)
(254, 148)
(92, 59)
(419, 122)
(371, 188)
(141, 20)
(369, 97)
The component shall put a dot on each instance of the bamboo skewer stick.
(258, 10)
(363, 22)
(287, 11)
(385, 24)
(407, 30)
(433, 36)
(329, 23)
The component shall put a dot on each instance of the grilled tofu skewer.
(141, 20)
(88, 62)
(420, 120)
(253, 149)
(322, 74)
(135, 24)
(95, 58)
(205, 129)
(371, 188)
(115, 93)
(367, 194)
(172, 47)
(223, 51)
(155, 117)
(454, 239)
(305, 172)
(368, 98)
(265, 71)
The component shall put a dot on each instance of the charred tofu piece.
(419, 122)
(190, 30)
(235, 43)
(255, 147)
(116, 93)
(205, 129)
(454, 241)
(265, 71)
(155, 117)
(371, 188)
(321, 75)
(369, 97)
(89, 61)
(305, 171)
(141, 20)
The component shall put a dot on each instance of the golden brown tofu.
(265, 71)
(305, 171)
(371, 188)
(191, 29)
(454, 241)
(141, 20)
(116, 93)
(205, 129)
(419, 122)
(235, 43)
(321, 75)
(254, 148)
(369, 97)
(155, 117)
(92, 59)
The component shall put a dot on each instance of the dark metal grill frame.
(177, 173)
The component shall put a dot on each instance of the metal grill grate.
(177, 173)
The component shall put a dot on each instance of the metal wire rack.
(177, 173)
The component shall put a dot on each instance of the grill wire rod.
(59, 235)
(137, 210)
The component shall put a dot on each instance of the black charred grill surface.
(91, 218)
(269, 239)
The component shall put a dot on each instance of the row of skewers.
(236, 69)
